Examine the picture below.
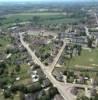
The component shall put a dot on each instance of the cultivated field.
(45, 18)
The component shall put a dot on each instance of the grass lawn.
(60, 21)
(35, 14)
(86, 58)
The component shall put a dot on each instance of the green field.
(86, 59)
(4, 41)
(44, 18)
(35, 14)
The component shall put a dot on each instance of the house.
(39, 42)
(14, 29)
(96, 36)
(80, 30)
(61, 35)
(81, 40)
(41, 74)
(70, 35)
(80, 80)
(46, 83)
(91, 92)
(49, 60)
(58, 73)
(35, 76)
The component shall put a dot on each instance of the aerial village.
(50, 65)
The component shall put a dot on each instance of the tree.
(36, 67)
(79, 48)
(63, 27)
(17, 20)
(35, 19)
(14, 88)
(53, 91)
(46, 64)
(34, 88)
(23, 88)
(2, 67)
(3, 82)
(17, 68)
(96, 97)
(7, 94)
(90, 43)
(43, 96)
(1, 24)
(83, 98)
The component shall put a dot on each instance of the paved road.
(87, 31)
(62, 88)
(96, 18)
(51, 67)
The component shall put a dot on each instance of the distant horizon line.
(48, 1)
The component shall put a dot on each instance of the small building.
(31, 96)
(46, 83)
(58, 74)
(39, 41)
(61, 35)
(81, 80)
(96, 36)
(81, 40)
(35, 78)
(41, 74)
(70, 35)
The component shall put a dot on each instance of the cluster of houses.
(91, 21)
(36, 74)
(87, 92)
(95, 34)
(77, 77)
(75, 37)
(49, 44)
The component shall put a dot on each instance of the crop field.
(44, 18)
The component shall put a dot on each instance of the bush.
(34, 88)
(7, 94)
(53, 91)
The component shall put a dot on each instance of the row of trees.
(30, 90)
(69, 50)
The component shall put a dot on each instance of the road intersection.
(63, 88)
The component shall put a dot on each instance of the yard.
(87, 59)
